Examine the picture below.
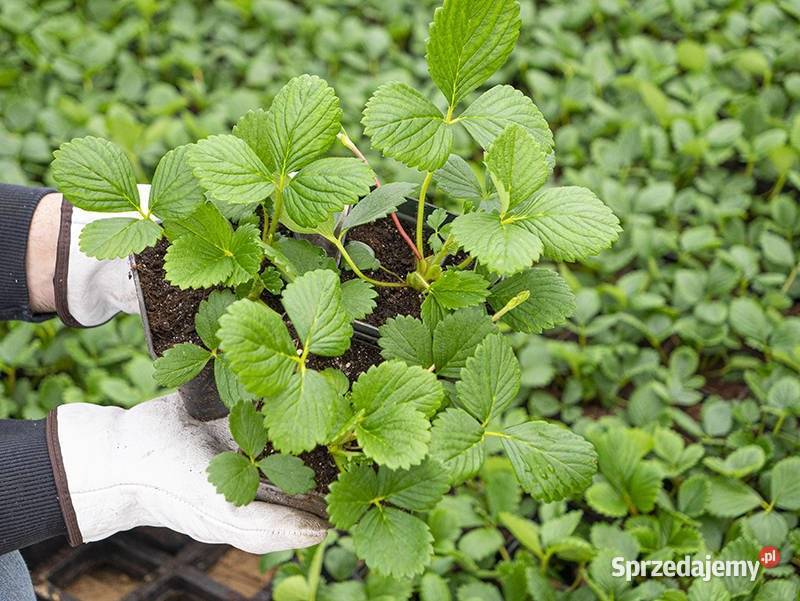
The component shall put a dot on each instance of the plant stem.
(421, 210)
(273, 225)
(348, 259)
(790, 279)
(465, 263)
(351, 146)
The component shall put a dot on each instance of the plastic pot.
(407, 213)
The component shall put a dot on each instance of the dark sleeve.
(17, 204)
(30, 510)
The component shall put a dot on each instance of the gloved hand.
(89, 292)
(117, 469)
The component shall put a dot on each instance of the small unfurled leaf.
(785, 484)
(518, 165)
(393, 542)
(606, 500)
(230, 170)
(118, 237)
(394, 382)
(351, 495)
(362, 255)
(358, 298)
(325, 187)
(458, 180)
(490, 380)
(504, 247)
(549, 305)
(406, 126)
(258, 347)
(499, 107)
(743, 461)
(407, 339)
(179, 364)
(396, 436)
(95, 175)
(731, 498)
(468, 42)
(206, 251)
(418, 488)
(247, 428)
(571, 222)
(235, 477)
(288, 473)
(748, 319)
(456, 337)
(299, 256)
(551, 462)
(304, 120)
(693, 495)
(298, 418)
(314, 304)
(459, 289)
(206, 322)
(378, 203)
(175, 192)
(457, 443)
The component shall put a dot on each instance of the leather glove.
(118, 469)
(89, 292)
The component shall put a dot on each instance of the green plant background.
(683, 115)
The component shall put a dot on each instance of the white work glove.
(118, 469)
(88, 291)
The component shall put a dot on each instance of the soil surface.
(357, 360)
(394, 256)
(318, 459)
(170, 310)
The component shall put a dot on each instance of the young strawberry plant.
(236, 280)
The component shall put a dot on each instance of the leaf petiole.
(423, 192)
(349, 260)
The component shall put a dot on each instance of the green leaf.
(304, 120)
(378, 203)
(748, 319)
(393, 542)
(230, 388)
(433, 587)
(206, 322)
(396, 436)
(490, 380)
(118, 237)
(175, 192)
(456, 337)
(179, 364)
(395, 383)
(325, 187)
(458, 180)
(518, 165)
(550, 303)
(694, 495)
(604, 499)
(457, 443)
(247, 428)
(480, 543)
(419, 488)
(254, 128)
(731, 498)
(300, 256)
(230, 170)
(288, 473)
(351, 495)
(551, 462)
(571, 222)
(314, 304)
(406, 126)
(468, 42)
(258, 346)
(234, 477)
(95, 175)
(358, 298)
(644, 485)
(298, 418)
(743, 461)
(499, 107)
(505, 248)
(407, 339)
(785, 484)
(292, 588)
(458, 289)
(206, 251)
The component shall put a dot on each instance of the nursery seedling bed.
(146, 564)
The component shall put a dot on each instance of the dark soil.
(170, 310)
(394, 256)
(318, 459)
(357, 360)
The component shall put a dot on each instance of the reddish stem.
(398, 226)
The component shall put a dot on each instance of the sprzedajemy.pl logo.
(769, 557)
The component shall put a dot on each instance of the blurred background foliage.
(683, 115)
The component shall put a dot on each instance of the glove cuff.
(60, 476)
(61, 277)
